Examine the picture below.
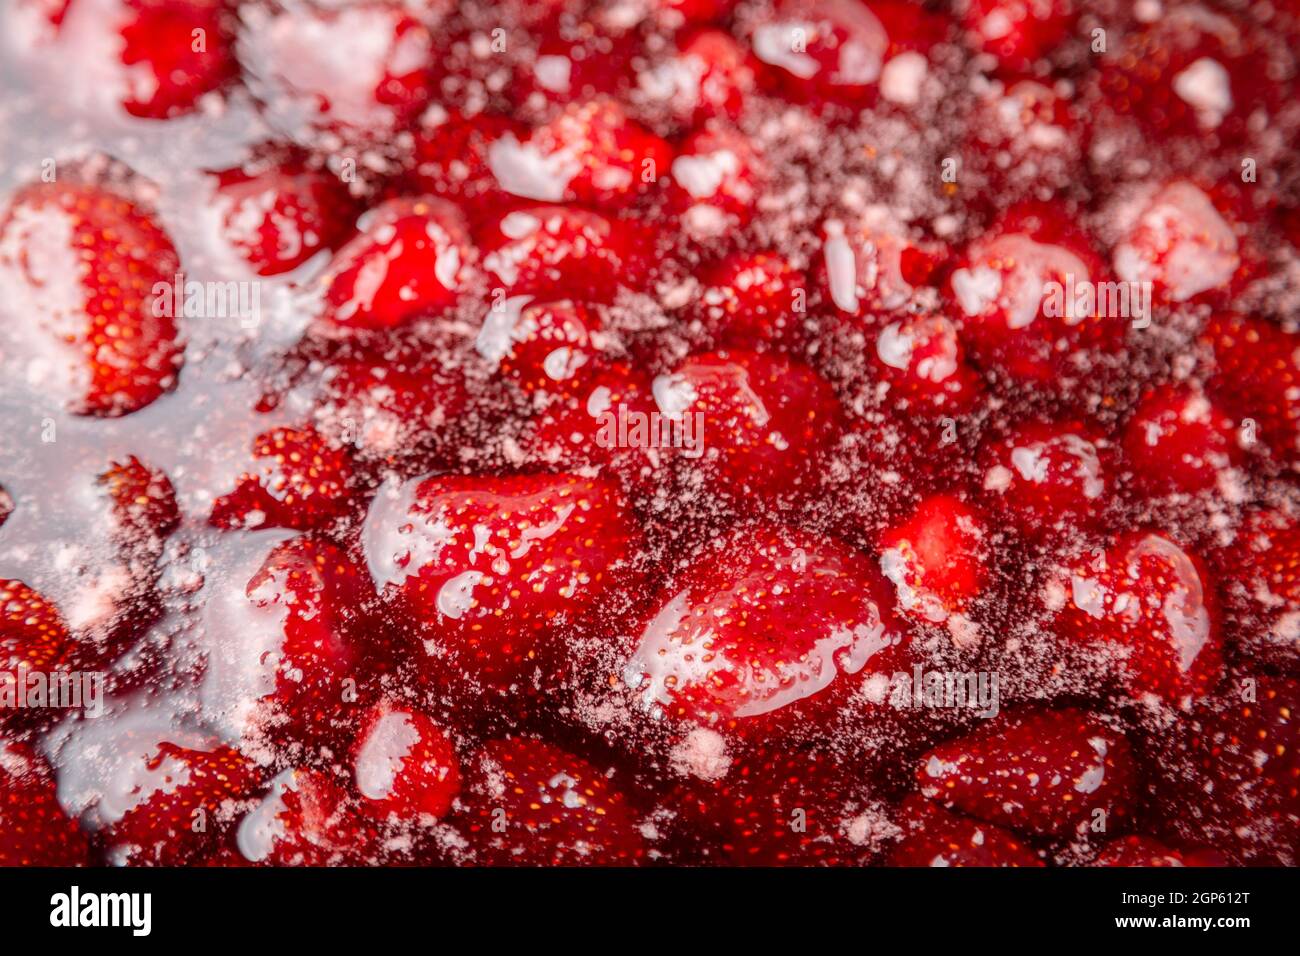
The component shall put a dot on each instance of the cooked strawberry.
(531, 804)
(709, 76)
(923, 362)
(34, 830)
(873, 265)
(451, 157)
(1047, 476)
(1261, 580)
(144, 503)
(1179, 440)
(761, 422)
(1256, 373)
(938, 560)
(763, 629)
(1146, 851)
(590, 153)
(83, 264)
(1018, 32)
(301, 481)
(404, 764)
(935, 837)
(1174, 237)
(1021, 294)
(412, 257)
(1234, 780)
(1040, 772)
(360, 71)
(306, 819)
(557, 251)
(716, 180)
(186, 806)
(491, 566)
(752, 297)
(1150, 602)
(542, 346)
(278, 216)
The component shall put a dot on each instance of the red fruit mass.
(404, 764)
(34, 831)
(303, 483)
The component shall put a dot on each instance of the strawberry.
(542, 346)
(1256, 373)
(6, 506)
(34, 830)
(532, 804)
(938, 560)
(490, 567)
(752, 297)
(763, 423)
(306, 819)
(1261, 580)
(1024, 141)
(390, 404)
(590, 153)
(709, 76)
(1018, 32)
(85, 263)
(144, 505)
(935, 837)
(873, 265)
(716, 181)
(357, 72)
(451, 157)
(303, 482)
(175, 51)
(412, 257)
(1040, 772)
(823, 50)
(1136, 850)
(1150, 602)
(1047, 476)
(573, 65)
(32, 633)
(1016, 293)
(923, 363)
(559, 252)
(404, 764)
(1237, 761)
(763, 630)
(277, 216)
(1179, 440)
(1173, 236)
(184, 807)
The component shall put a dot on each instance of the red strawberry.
(716, 179)
(1045, 773)
(34, 830)
(924, 365)
(873, 265)
(184, 806)
(1149, 601)
(1047, 476)
(709, 76)
(1145, 851)
(1256, 373)
(1261, 574)
(404, 764)
(938, 560)
(279, 216)
(451, 157)
(590, 153)
(1016, 292)
(823, 50)
(560, 252)
(491, 566)
(412, 257)
(32, 633)
(303, 482)
(83, 263)
(392, 404)
(360, 71)
(306, 819)
(542, 346)
(1018, 32)
(571, 65)
(144, 504)
(1178, 440)
(1236, 780)
(752, 297)
(762, 423)
(1173, 236)
(935, 837)
(531, 804)
(764, 629)
(1024, 140)
(175, 51)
